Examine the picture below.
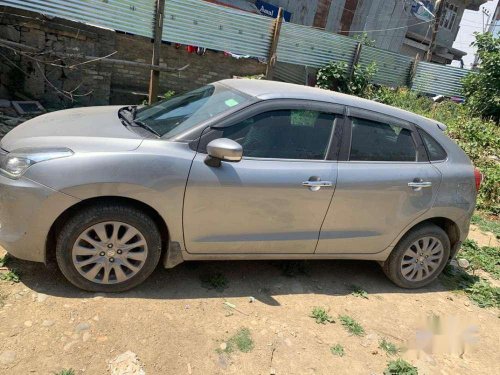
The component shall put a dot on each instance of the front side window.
(284, 134)
(377, 141)
(174, 116)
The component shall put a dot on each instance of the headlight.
(16, 163)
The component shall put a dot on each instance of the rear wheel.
(108, 248)
(419, 257)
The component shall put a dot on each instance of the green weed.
(11, 276)
(485, 258)
(321, 316)
(388, 347)
(400, 367)
(66, 372)
(241, 341)
(4, 260)
(337, 350)
(359, 292)
(215, 281)
(352, 326)
(487, 225)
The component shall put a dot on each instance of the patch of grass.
(10, 275)
(321, 316)
(337, 350)
(3, 297)
(400, 367)
(487, 225)
(65, 372)
(479, 291)
(215, 281)
(485, 258)
(4, 260)
(359, 292)
(241, 341)
(388, 347)
(352, 326)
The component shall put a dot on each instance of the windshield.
(171, 117)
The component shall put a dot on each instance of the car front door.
(384, 183)
(263, 204)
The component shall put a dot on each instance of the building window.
(449, 15)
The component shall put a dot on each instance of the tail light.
(478, 177)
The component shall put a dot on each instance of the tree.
(481, 88)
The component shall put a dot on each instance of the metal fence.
(195, 22)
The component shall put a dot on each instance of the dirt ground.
(175, 325)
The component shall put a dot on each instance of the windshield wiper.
(129, 118)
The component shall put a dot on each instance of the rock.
(223, 346)
(28, 323)
(82, 327)
(86, 336)
(126, 364)
(464, 263)
(190, 371)
(41, 297)
(7, 357)
(96, 318)
(222, 361)
(48, 323)
(251, 299)
(272, 372)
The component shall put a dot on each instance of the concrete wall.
(96, 83)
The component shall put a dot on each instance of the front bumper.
(27, 212)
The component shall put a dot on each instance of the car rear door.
(275, 199)
(384, 183)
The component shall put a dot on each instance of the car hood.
(88, 129)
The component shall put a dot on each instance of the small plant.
(241, 341)
(321, 316)
(483, 222)
(400, 367)
(359, 292)
(215, 281)
(337, 350)
(168, 94)
(479, 291)
(4, 260)
(388, 347)
(11, 276)
(66, 372)
(485, 257)
(352, 326)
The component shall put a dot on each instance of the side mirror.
(223, 149)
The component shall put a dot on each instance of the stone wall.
(61, 82)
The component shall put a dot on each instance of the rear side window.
(377, 141)
(434, 149)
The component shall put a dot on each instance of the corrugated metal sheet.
(438, 79)
(393, 69)
(313, 47)
(290, 73)
(221, 28)
(134, 17)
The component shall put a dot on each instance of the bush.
(336, 76)
(479, 138)
(481, 88)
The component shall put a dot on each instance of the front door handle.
(316, 185)
(418, 185)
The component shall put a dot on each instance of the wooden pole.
(157, 35)
(355, 60)
(435, 29)
(271, 61)
(413, 70)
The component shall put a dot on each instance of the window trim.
(351, 112)
(213, 132)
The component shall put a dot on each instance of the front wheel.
(419, 257)
(108, 248)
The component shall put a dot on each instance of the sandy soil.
(175, 325)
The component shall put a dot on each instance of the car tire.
(409, 253)
(111, 217)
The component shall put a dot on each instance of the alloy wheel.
(422, 258)
(109, 252)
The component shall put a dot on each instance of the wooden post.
(271, 61)
(157, 35)
(435, 29)
(413, 70)
(355, 60)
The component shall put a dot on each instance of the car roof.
(265, 90)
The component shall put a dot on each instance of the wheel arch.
(50, 244)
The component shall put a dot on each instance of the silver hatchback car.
(239, 169)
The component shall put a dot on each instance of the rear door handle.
(316, 185)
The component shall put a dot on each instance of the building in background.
(402, 26)
(494, 26)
